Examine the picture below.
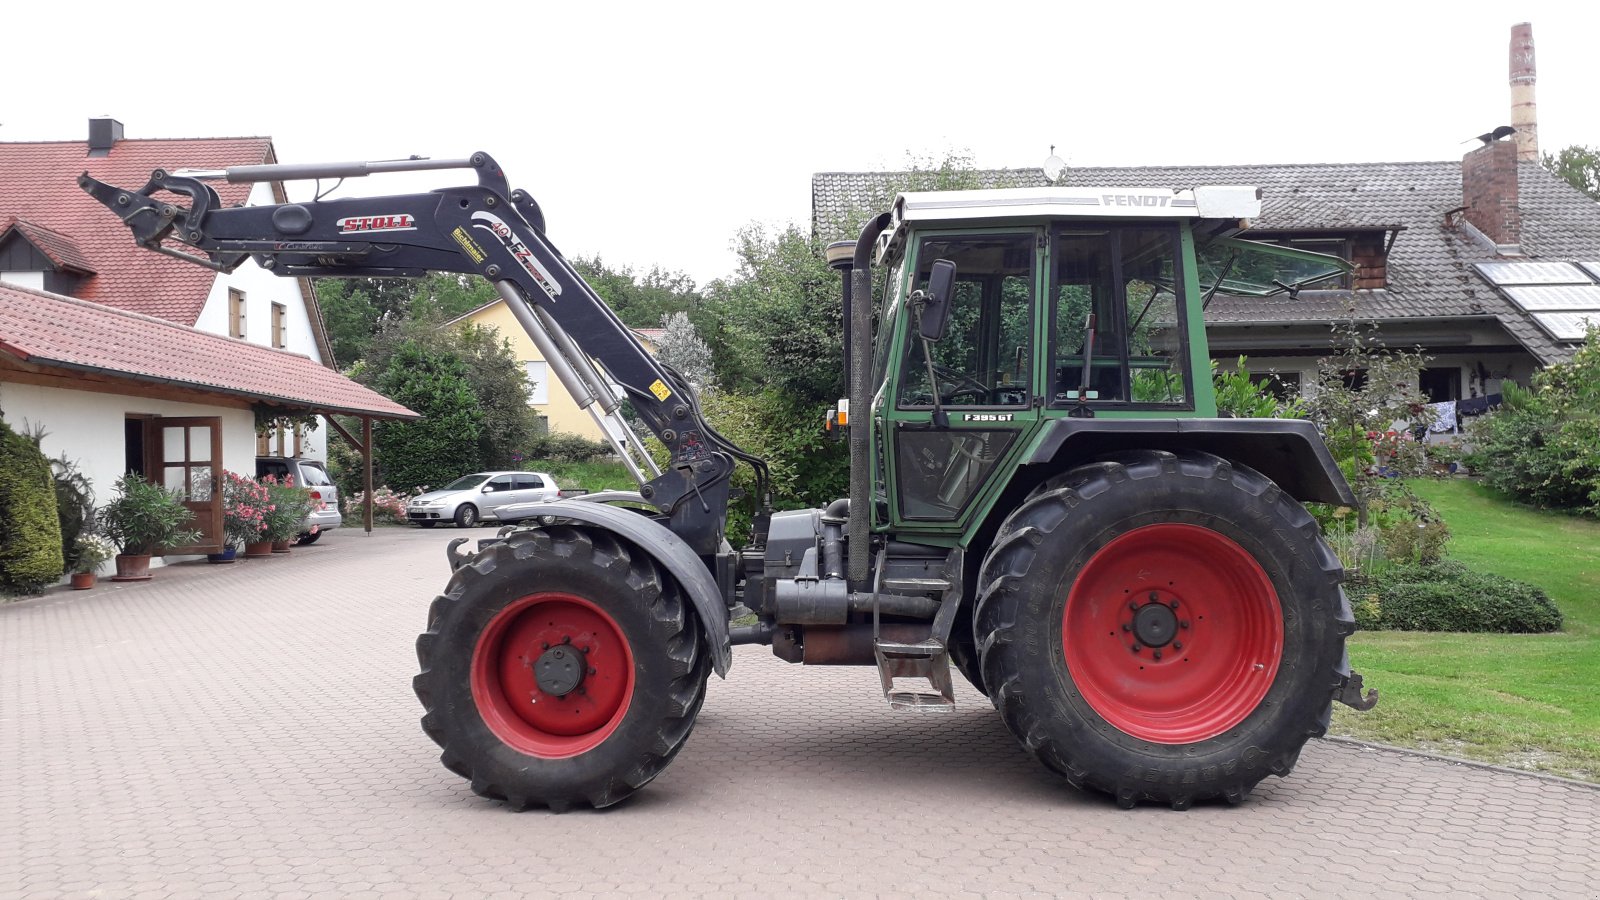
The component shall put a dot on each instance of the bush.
(30, 531)
(387, 505)
(1449, 596)
(562, 446)
(144, 517)
(441, 446)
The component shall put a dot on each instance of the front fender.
(668, 550)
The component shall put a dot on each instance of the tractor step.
(924, 659)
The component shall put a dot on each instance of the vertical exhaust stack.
(1524, 110)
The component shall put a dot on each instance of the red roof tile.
(38, 184)
(64, 332)
(58, 247)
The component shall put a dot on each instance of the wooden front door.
(189, 461)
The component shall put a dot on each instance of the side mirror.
(934, 320)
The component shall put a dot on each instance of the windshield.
(465, 481)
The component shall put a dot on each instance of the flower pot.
(282, 546)
(257, 549)
(131, 567)
(226, 556)
(82, 581)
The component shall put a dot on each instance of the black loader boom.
(488, 230)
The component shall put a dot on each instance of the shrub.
(287, 508)
(244, 509)
(563, 446)
(30, 532)
(386, 505)
(146, 517)
(90, 550)
(1448, 596)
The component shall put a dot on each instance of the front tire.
(1163, 627)
(466, 516)
(629, 669)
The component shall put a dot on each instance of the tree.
(681, 348)
(639, 301)
(494, 376)
(30, 532)
(1577, 166)
(444, 444)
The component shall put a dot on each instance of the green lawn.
(1529, 701)
(593, 475)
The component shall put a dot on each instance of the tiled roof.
(59, 248)
(63, 332)
(38, 184)
(1429, 269)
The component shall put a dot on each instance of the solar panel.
(1562, 296)
(1568, 326)
(1507, 273)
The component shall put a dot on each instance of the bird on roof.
(1489, 137)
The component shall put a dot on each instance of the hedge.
(30, 532)
(1448, 596)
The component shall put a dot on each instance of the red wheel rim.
(1199, 659)
(508, 694)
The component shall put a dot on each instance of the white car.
(472, 498)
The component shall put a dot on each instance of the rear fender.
(671, 553)
(1288, 451)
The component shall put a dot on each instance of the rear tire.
(582, 594)
(306, 540)
(1208, 562)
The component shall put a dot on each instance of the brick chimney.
(1524, 112)
(1489, 192)
(104, 133)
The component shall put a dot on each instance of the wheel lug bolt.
(1177, 645)
(1158, 654)
(1126, 627)
(544, 645)
(567, 639)
(1133, 606)
(591, 668)
(1183, 624)
(1154, 597)
(1136, 648)
(1174, 604)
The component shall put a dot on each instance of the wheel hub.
(1155, 624)
(559, 670)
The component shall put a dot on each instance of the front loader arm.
(484, 230)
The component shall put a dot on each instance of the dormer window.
(33, 256)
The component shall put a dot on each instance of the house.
(131, 361)
(548, 397)
(1490, 265)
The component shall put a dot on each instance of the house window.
(1440, 384)
(280, 325)
(538, 382)
(236, 313)
(1280, 385)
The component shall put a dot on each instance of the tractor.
(1042, 494)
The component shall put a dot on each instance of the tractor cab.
(1054, 303)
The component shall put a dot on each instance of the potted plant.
(91, 551)
(142, 519)
(288, 507)
(245, 507)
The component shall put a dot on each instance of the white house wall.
(88, 428)
(262, 289)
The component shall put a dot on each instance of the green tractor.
(1042, 494)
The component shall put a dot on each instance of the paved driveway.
(250, 731)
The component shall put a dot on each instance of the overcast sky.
(651, 133)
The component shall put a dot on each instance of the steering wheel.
(961, 384)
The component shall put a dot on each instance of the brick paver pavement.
(250, 731)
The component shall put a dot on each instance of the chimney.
(1524, 112)
(103, 133)
(1489, 193)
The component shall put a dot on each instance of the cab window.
(985, 357)
(1132, 351)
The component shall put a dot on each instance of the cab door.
(952, 421)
